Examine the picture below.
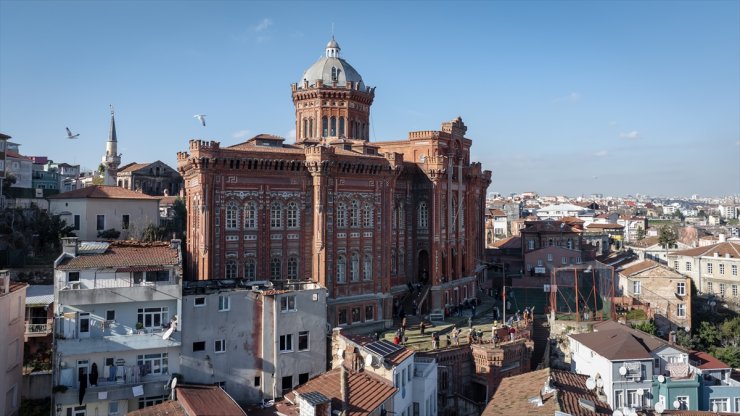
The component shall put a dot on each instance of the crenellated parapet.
(395, 162)
(435, 167)
(456, 128)
(196, 145)
(424, 135)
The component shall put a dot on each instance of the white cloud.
(262, 25)
(291, 134)
(241, 134)
(633, 135)
(601, 153)
(572, 97)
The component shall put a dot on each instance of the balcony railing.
(112, 283)
(38, 330)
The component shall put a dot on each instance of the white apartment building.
(117, 333)
(713, 269)
(12, 328)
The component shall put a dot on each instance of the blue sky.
(559, 97)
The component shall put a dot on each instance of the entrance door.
(423, 267)
(84, 325)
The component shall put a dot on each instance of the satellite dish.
(659, 408)
(676, 404)
(688, 329)
(590, 383)
(661, 378)
(715, 408)
(174, 383)
(168, 333)
(623, 370)
(369, 360)
(640, 392)
(617, 413)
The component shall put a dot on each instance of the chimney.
(722, 238)
(344, 388)
(70, 245)
(175, 243)
(672, 337)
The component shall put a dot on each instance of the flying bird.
(201, 118)
(70, 135)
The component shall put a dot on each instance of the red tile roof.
(639, 267)
(13, 286)
(366, 390)
(705, 361)
(132, 167)
(547, 226)
(123, 254)
(102, 191)
(496, 212)
(606, 226)
(511, 242)
(614, 344)
(646, 242)
(207, 401)
(168, 408)
(721, 249)
(512, 398)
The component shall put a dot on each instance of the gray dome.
(322, 69)
(331, 68)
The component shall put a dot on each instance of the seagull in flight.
(201, 118)
(70, 135)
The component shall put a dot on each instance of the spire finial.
(112, 111)
(332, 30)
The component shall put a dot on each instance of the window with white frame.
(675, 264)
(292, 268)
(149, 401)
(578, 260)
(250, 268)
(303, 341)
(722, 289)
(219, 346)
(153, 317)
(286, 343)
(688, 266)
(80, 410)
(231, 269)
(341, 268)
(423, 215)
(232, 216)
(635, 287)
(275, 268)
(293, 215)
(681, 288)
(549, 257)
(276, 215)
(354, 271)
(250, 215)
(224, 303)
(681, 310)
(354, 214)
(721, 268)
(530, 244)
(734, 294)
(618, 398)
(156, 363)
(368, 267)
(199, 302)
(540, 263)
(733, 270)
(710, 268)
(287, 303)
(710, 288)
(683, 402)
(341, 215)
(564, 260)
(721, 404)
(632, 400)
(367, 216)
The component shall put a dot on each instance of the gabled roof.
(650, 341)
(614, 344)
(102, 192)
(366, 390)
(547, 226)
(512, 398)
(639, 267)
(509, 243)
(646, 242)
(39, 295)
(605, 226)
(496, 212)
(705, 361)
(195, 400)
(125, 254)
(721, 249)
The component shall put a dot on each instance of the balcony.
(115, 341)
(122, 287)
(39, 329)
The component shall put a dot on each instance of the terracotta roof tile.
(705, 361)
(614, 344)
(639, 267)
(132, 167)
(606, 226)
(496, 212)
(366, 390)
(511, 242)
(122, 254)
(547, 226)
(721, 249)
(646, 242)
(207, 401)
(103, 191)
(13, 286)
(168, 408)
(512, 398)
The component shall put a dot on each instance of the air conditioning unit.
(74, 285)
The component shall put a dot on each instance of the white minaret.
(111, 160)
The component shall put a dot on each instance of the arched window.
(393, 261)
(333, 73)
(368, 267)
(232, 216)
(354, 273)
(305, 128)
(276, 215)
(341, 215)
(293, 268)
(120, 183)
(367, 220)
(293, 219)
(231, 269)
(423, 215)
(333, 127)
(250, 268)
(275, 268)
(250, 215)
(341, 268)
(324, 126)
(310, 127)
(354, 214)
(341, 126)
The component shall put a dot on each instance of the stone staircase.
(540, 336)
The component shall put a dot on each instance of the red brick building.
(363, 219)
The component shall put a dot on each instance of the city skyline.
(560, 98)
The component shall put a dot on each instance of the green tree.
(641, 233)
(678, 214)
(667, 236)
(646, 326)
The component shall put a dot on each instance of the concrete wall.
(12, 328)
(37, 385)
(142, 212)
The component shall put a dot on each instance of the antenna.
(332, 30)
(112, 110)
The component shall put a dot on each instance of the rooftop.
(520, 395)
(103, 192)
(705, 361)
(125, 254)
(366, 390)
(39, 295)
(721, 250)
(195, 400)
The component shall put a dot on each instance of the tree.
(110, 234)
(678, 214)
(641, 233)
(667, 236)
(647, 326)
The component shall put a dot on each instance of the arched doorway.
(423, 267)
